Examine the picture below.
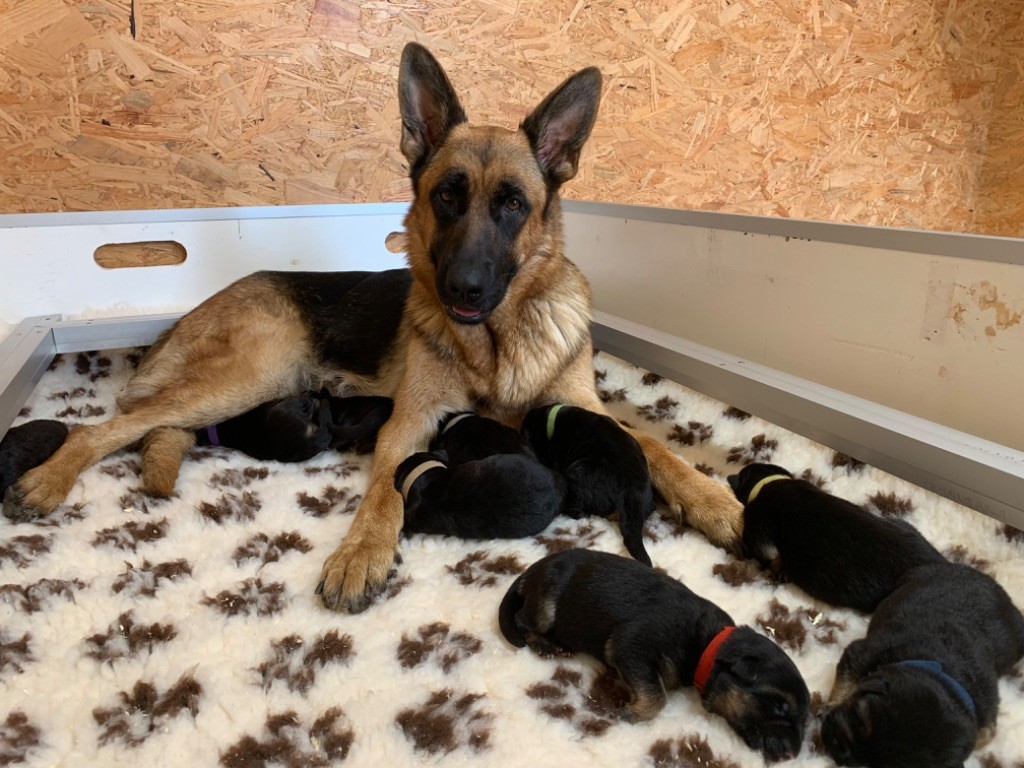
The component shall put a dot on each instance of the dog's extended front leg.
(705, 504)
(357, 570)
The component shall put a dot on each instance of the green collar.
(762, 483)
(552, 415)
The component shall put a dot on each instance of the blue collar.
(934, 668)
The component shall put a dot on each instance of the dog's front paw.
(708, 506)
(356, 572)
(36, 494)
(711, 508)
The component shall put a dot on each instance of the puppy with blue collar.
(830, 548)
(921, 689)
(603, 464)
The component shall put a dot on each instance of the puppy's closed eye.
(746, 669)
(861, 720)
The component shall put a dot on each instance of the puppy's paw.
(36, 494)
(356, 573)
(545, 648)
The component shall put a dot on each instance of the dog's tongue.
(465, 311)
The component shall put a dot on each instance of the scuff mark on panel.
(938, 305)
(988, 298)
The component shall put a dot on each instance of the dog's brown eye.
(446, 196)
(513, 204)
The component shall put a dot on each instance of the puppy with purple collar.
(480, 480)
(921, 689)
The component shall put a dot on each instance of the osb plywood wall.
(896, 112)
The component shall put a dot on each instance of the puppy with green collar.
(603, 464)
(830, 548)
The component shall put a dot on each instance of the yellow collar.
(552, 415)
(415, 475)
(762, 483)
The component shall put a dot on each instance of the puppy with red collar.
(658, 635)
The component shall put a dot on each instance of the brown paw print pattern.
(19, 736)
(591, 705)
(688, 752)
(744, 573)
(692, 433)
(144, 710)
(287, 741)
(437, 644)
(265, 549)
(760, 449)
(448, 720)
(329, 501)
(483, 569)
(40, 595)
(889, 505)
(252, 598)
(296, 662)
(125, 638)
(581, 535)
(791, 628)
(662, 409)
(185, 631)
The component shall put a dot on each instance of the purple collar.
(211, 435)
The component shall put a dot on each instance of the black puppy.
(658, 635)
(26, 446)
(921, 689)
(832, 549)
(603, 464)
(298, 428)
(481, 481)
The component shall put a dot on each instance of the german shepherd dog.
(490, 316)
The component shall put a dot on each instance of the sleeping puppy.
(298, 428)
(355, 421)
(498, 497)
(658, 635)
(921, 689)
(832, 549)
(603, 464)
(26, 446)
(466, 437)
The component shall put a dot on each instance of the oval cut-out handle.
(150, 253)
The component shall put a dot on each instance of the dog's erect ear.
(558, 128)
(430, 108)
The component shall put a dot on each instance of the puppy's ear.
(559, 126)
(429, 106)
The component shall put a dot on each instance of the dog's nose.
(465, 289)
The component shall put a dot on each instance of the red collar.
(707, 659)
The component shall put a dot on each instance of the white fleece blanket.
(185, 632)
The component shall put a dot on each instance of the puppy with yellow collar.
(832, 549)
(481, 480)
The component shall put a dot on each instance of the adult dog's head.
(485, 199)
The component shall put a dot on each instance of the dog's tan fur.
(248, 344)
